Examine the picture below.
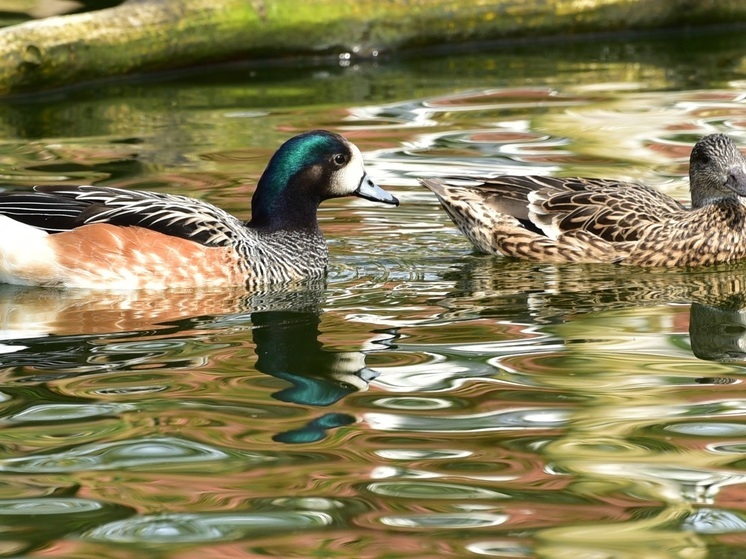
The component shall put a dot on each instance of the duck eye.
(340, 159)
(705, 159)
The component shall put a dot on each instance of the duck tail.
(26, 256)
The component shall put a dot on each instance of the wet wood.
(147, 35)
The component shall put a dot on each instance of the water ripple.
(410, 454)
(432, 490)
(533, 418)
(135, 453)
(715, 521)
(47, 506)
(500, 548)
(442, 521)
(67, 412)
(191, 528)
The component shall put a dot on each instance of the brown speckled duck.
(561, 220)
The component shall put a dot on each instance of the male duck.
(100, 237)
(594, 220)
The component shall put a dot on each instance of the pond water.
(425, 401)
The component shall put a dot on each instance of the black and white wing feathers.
(56, 208)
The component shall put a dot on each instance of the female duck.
(100, 237)
(594, 220)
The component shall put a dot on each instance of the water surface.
(425, 401)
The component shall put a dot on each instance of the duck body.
(102, 237)
(583, 220)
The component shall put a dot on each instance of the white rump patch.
(25, 255)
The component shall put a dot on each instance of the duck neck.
(274, 210)
(730, 200)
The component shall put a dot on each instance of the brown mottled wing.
(507, 195)
(611, 210)
(494, 215)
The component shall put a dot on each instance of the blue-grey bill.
(371, 191)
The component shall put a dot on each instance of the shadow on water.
(51, 334)
(548, 294)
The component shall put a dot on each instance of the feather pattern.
(598, 220)
(47, 212)
(171, 214)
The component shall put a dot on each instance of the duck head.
(717, 170)
(305, 171)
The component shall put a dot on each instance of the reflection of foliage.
(229, 98)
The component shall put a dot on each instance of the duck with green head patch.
(288, 192)
(560, 220)
(102, 237)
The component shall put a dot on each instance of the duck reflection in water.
(56, 334)
(288, 348)
(718, 333)
(523, 292)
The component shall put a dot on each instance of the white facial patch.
(346, 180)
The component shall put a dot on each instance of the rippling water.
(425, 401)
